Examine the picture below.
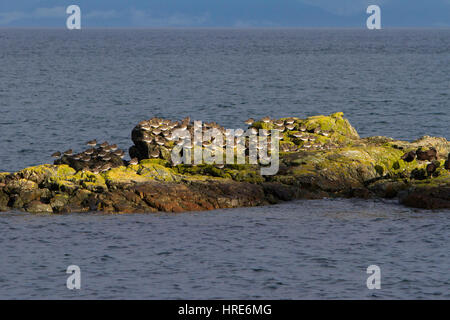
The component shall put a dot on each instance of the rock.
(4, 200)
(335, 163)
(447, 163)
(426, 155)
(38, 207)
(409, 156)
(427, 198)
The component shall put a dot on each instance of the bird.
(249, 121)
(119, 153)
(266, 119)
(104, 144)
(68, 152)
(155, 153)
(56, 154)
(133, 162)
(113, 147)
(92, 143)
(279, 123)
(290, 121)
(303, 128)
(290, 126)
(89, 151)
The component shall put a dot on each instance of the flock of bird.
(96, 160)
(157, 132)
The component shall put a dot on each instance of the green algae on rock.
(337, 164)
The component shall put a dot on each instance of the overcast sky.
(225, 13)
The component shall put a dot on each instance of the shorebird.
(154, 153)
(156, 131)
(56, 154)
(297, 134)
(86, 158)
(113, 147)
(92, 143)
(102, 154)
(290, 121)
(68, 152)
(325, 133)
(249, 121)
(279, 123)
(89, 151)
(290, 126)
(119, 153)
(303, 128)
(159, 140)
(266, 119)
(317, 130)
(133, 162)
(104, 144)
(105, 167)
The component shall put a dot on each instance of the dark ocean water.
(59, 89)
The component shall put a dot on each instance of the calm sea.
(59, 89)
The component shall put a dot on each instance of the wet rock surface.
(320, 156)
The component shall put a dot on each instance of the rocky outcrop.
(320, 156)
